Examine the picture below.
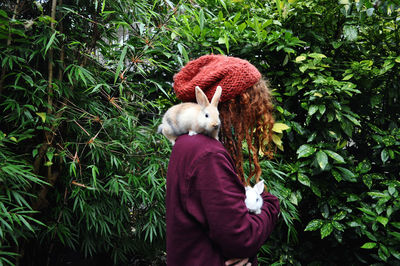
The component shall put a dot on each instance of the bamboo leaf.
(53, 36)
(120, 63)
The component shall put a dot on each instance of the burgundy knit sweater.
(207, 219)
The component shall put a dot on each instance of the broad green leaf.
(336, 175)
(339, 215)
(300, 58)
(338, 225)
(347, 174)
(367, 211)
(353, 119)
(352, 198)
(336, 45)
(303, 68)
(322, 109)
(395, 234)
(326, 230)
(347, 77)
(395, 224)
(367, 180)
(277, 140)
(303, 179)
(335, 156)
(279, 127)
(322, 159)
(312, 137)
(391, 190)
(369, 245)
(314, 225)
(382, 220)
(34, 153)
(371, 236)
(305, 150)
(370, 11)
(293, 199)
(383, 252)
(316, 190)
(312, 110)
(50, 155)
(384, 155)
(317, 55)
(48, 163)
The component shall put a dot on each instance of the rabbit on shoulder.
(253, 200)
(193, 118)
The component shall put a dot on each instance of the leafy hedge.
(84, 83)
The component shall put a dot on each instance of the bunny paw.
(192, 133)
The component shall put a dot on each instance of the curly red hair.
(248, 117)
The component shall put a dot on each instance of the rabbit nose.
(216, 126)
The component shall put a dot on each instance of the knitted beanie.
(233, 74)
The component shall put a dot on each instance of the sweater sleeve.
(216, 200)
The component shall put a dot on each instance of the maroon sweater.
(207, 219)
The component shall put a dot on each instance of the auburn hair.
(248, 117)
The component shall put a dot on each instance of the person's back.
(207, 220)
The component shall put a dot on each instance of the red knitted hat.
(233, 74)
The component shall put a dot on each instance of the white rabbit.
(253, 200)
(193, 118)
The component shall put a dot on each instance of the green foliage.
(336, 86)
(82, 92)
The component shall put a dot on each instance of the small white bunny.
(193, 118)
(253, 200)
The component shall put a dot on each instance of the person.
(206, 217)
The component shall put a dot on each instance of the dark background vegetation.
(84, 84)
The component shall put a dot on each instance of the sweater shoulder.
(198, 146)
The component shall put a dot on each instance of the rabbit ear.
(259, 187)
(201, 98)
(217, 95)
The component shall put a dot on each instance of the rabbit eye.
(206, 115)
(257, 200)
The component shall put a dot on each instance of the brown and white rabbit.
(193, 118)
